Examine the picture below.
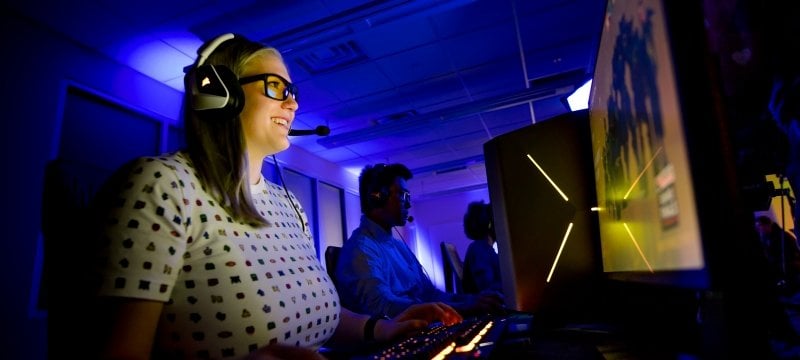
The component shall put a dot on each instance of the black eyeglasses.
(275, 86)
(405, 196)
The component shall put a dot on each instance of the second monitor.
(541, 184)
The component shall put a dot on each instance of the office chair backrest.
(66, 288)
(453, 268)
(331, 259)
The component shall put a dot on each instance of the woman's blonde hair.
(216, 147)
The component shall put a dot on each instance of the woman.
(202, 256)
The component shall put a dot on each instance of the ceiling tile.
(422, 82)
(415, 65)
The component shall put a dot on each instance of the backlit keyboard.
(472, 338)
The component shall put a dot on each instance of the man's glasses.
(405, 196)
(275, 86)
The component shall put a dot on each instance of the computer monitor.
(541, 186)
(671, 246)
(649, 221)
(671, 212)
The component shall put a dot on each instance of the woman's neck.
(254, 164)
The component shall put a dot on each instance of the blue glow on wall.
(160, 55)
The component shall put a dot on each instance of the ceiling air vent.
(453, 169)
(325, 58)
(399, 116)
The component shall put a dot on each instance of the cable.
(424, 272)
(398, 234)
(288, 197)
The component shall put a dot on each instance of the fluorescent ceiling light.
(579, 99)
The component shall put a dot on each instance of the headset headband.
(208, 50)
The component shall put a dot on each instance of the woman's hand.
(415, 317)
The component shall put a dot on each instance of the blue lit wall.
(38, 66)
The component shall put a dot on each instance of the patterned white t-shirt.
(228, 288)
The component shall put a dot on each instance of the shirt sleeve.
(143, 237)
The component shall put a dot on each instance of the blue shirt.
(378, 274)
(481, 269)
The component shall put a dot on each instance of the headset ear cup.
(216, 93)
(378, 199)
(375, 200)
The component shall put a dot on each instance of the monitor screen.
(672, 219)
(648, 220)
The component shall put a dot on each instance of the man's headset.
(377, 199)
(215, 89)
(378, 193)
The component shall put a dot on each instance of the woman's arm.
(350, 329)
(128, 327)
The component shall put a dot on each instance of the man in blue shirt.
(378, 274)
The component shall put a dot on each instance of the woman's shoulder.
(168, 171)
(174, 160)
(158, 166)
(152, 169)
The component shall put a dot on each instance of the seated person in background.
(199, 256)
(481, 264)
(378, 274)
(782, 252)
(784, 105)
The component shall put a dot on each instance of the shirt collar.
(374, 229)
(259, 187)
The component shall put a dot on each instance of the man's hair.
(377, 179)
(478, 221)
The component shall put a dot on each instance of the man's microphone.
(410, 219)
(321, 130)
